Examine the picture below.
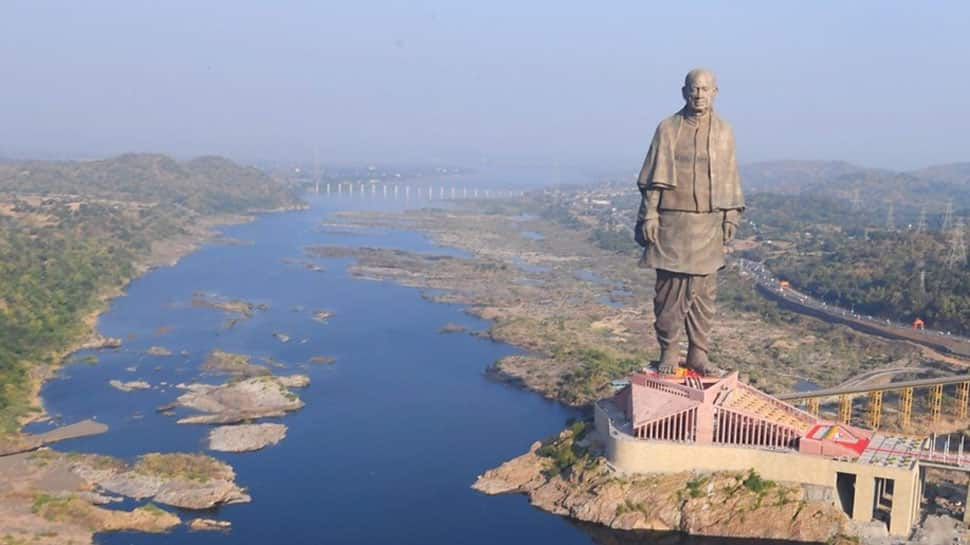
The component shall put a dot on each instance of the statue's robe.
(692, 164)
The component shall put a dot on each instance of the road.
(768, 285)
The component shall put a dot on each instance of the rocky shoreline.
(567, 476)
(53, 498)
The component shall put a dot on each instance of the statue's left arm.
(732, 212)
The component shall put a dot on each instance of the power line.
(856, 200)
(947, 216)
(957, 244)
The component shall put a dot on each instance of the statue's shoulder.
(667, 127)
(722, 123)
(672, 120)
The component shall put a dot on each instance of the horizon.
(431, 83)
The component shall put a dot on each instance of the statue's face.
(700, 92)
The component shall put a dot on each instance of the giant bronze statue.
(690, 209)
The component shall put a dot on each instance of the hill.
(928, 189)
(71, 233)
(205, 184)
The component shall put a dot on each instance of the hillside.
(205, 184)
(953, 173)
(929, 188)
(71, 233)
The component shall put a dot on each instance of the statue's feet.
(709, 371)
(697, 361)
(669, 361)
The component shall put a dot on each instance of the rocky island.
(245, 437)
(66, 507)
(240, 401)
(568, 476)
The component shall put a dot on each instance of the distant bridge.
(812, 399)
(408, 191)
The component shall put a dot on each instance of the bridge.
(407, 191)
(846, 393)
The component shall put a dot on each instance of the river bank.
(583, 313)
(376, 417)
(28, 477)
(575, 310)
(164, 253)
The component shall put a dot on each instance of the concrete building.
(661, 424)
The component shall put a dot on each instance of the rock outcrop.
(245, 437)
(75, 511)
(234, 402)
(189, 481)
(129, 386)
(209, 525)
(564, 478)
(234, 364)
(158, 351)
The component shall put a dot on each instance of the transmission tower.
(921, 265)
(958, 245)
(890, 217)
(947, 217)
(856, 200)
(921, 222)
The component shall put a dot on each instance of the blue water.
(392, 435)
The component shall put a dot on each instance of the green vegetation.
(620, 242)
(204, 185)
(695, 486)
(597, 368)
(756, 484)
(69, 509)
(72, 232)
(630, 506)
(562, 450)
(851, 260)
(41, 500)
(195, 467)
(153, 509)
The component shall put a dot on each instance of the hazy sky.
(879, 83)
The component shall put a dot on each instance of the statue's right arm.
(650, 189)
(651, 224)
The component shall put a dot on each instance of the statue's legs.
(700, 316)
(684, 301)
(670, 304)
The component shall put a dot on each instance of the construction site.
(684, 422)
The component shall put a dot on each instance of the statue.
(690, 209)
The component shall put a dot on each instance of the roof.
(744, 398)
(650, 404)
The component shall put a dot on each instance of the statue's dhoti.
(688, 253)
(684, 301)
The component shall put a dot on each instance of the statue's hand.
(651, 230)
(729, 229)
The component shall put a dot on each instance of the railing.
(740, 429)
(679, 427)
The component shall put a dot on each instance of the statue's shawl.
(659, 169)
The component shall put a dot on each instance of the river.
(392, 434)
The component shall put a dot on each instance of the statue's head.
(700, 88)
